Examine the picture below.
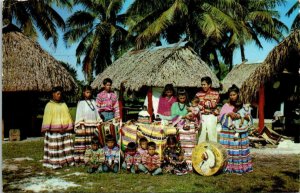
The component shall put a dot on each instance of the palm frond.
(80, 19)
(293, 8)
(75, 34)
(159, 25)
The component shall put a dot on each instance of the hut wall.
(19, 112)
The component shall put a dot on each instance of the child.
(165, 102)
(194, 113)
(107, 102)
(143, 146)
(57, 126)
(94, 157)
(174, 157)
(242, 124)
(111, 152)
(132, 158)
(87, 120)
(151, 161)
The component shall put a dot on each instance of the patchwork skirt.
(83, 138)
(58, 150)
(239, 160)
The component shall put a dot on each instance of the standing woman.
(208, 101)
(57, 126)
(166, 101)
(87, 120)
(239, 160)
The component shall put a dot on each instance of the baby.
(194, 113)
(242, 124)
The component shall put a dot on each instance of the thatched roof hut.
(179, 65)
(238, 75)
(249, 77)
(27, 67)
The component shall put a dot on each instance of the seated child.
(174, 157)
(111, 152)
(94, 157)
(151, 161)
(143, 142)
(132, 158)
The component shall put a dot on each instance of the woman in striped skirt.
(57, 126)
(235, 140)
(86, 123)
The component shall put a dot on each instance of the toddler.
(132, 158)
(194, 113)
(94, 157)
(174, 157)
(143, 146)
(151, 161)
(111, 152)
(242, 124)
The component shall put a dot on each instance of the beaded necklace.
(181, 109)
(90, 104)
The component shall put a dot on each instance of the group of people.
(203, 113)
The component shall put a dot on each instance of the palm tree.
(33, 15)
(101, 38)
(214, 28)
(256, 19)
(296, 22)
(172, 19)
(203, 23)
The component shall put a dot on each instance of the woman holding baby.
(234, 135)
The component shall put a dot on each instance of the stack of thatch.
(27, 67)
(178, 65)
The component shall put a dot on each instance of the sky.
(252, 52)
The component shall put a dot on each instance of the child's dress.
(151, 161)
(111, 157)
(131, 161)
(94, 158)
(86, 123)
(171, 161)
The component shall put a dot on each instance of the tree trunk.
(242, 52)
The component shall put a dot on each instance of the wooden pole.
(261, 106)
(150, 104)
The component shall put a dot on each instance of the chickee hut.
(28, 70)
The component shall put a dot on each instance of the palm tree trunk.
(216, 63)
(242, 52)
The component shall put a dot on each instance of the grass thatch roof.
(238, 75)
(285, 55)
(178, 65)
(27, 67)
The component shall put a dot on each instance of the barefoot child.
(111, 152)
(132, 158)
(174, 157)
(151, 161)
(94, 157)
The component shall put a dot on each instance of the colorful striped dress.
(58, 143)
(239, 160)
(86, 123)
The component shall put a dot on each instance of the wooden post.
(150, 104)
(261, 105)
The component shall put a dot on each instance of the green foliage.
(34, 15)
